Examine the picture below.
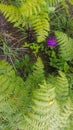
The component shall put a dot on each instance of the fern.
(32, 13)
(11, 108)
(10, 95)
(45, 111)
(21, 16)
(33, 105)
(65, 44)
(56, 5)
(71, 2)
(12, 14)
(34, 79)
(38, 116)
(61, 84)
(53, 3)
(31, 7)
(41, 25)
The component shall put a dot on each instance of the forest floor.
(15, 38)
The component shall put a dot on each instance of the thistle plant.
(52, 41)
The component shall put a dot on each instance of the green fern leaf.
(65, 44)
(33, 105)
(71, 2)
(52, 3)
(10, 12)
(62, 90)
(29, 10)
(41, 26)
(10, 94)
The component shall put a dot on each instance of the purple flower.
(52, 41)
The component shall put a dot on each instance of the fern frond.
(71, 1)
(30, 7)
(37, 75)
(41, 25)
(38, 117)
(67, 115)
(12, 107)
(35, 106)
(11, 13)
(18, 15)
(52, 3)
(70, 80)
(70, 26)
(11, 89)
(45, 112)
(61, 87)
(65, 45)
(22, 15)
(62, 96)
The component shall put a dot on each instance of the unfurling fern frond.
(65, 45)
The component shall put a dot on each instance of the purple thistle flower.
(52, 41)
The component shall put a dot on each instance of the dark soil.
(14, 37)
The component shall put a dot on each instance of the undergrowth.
(36, 76)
